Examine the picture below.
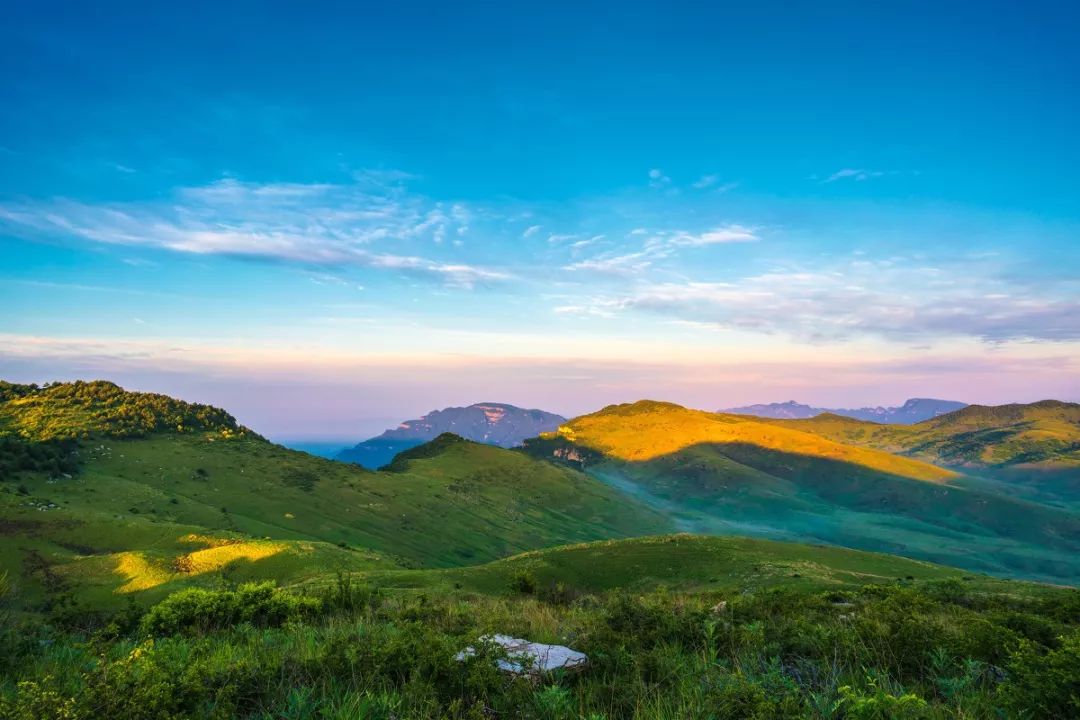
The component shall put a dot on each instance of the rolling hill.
(740, 475)
(492, 423)
(1041, 435)
(109, 492)
(123, 496)
(110, 496)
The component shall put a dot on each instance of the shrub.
(1044, 685)
(37, 699)
(348, 596)
(523, 582)
(558, 593)
(197, 610)
(876, 703)
(737, 697)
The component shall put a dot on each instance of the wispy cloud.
(706, 181)
(586, 242)
(82, 287)
(900, 301)
(854, 174)
(657, 178)
(718, 235)
(530, 231)
(310, 224)
(654, 247)
(712, 183)
(614, 264)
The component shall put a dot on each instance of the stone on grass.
(529, 658)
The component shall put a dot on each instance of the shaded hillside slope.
(647, 430)
(1043, 435)
(738, 475)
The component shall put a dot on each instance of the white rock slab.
(524, 657)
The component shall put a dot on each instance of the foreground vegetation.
(935, 648)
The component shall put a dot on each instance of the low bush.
(196, 610)
(1044, 684)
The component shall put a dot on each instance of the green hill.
(148, 482)
(739, 475)
(107, 492)
(683, 562)
(1042, 435)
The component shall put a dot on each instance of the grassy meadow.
(674, 627)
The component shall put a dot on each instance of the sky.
(331, 217)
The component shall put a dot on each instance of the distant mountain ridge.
(912, 411)
(491, 423)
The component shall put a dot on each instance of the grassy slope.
(155, 507)
(1043, 435)
(124, 520)
(645, 430)
(730, 474)
(694, 628)
(469, 503)
(682, 562)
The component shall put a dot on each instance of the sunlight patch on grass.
(215, 558)
(208, 541)
(646, 431)
(139, 573)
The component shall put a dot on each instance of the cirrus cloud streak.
(899, 301)
(309, 224)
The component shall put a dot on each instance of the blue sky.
(332, 219)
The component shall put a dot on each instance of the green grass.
(728, 475)
(674, 627)
(116, 525)
(647, 430)
(678, 562)
(467, 503)
(1043, 435)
